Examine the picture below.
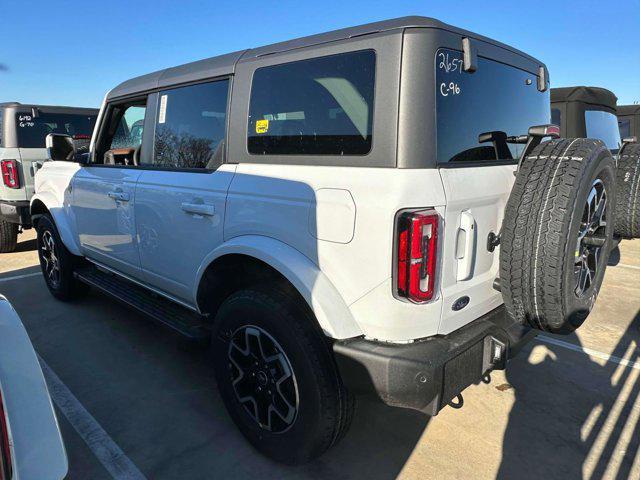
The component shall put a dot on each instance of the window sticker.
(262, 126)
(163, 109)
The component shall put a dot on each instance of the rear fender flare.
(321, 295)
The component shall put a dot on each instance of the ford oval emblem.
(460, 303)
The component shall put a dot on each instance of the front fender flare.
(60, 217)
(325, 301)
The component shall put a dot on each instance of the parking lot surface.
(136, 401)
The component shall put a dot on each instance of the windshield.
(603, 126)
(497, 99)
(33, 130)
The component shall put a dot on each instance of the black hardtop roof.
(225, 64)
(49, 108)
(592, 95)
(628, 109)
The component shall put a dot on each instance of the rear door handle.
(119, 195)
(464, 249)
(199, 208)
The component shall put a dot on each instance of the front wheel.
(277, 376)
(57, 263)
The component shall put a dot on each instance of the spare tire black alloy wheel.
(557, 233)
(51, 264)
(592, 237)
(262, 378)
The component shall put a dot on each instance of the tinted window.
(321, 106)
(496, 98)
(190, 126)
(556, 116)
(603, 126)
(33, 130)
(624, 125)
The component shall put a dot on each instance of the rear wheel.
(628, 184)
(58, 263)
(8, 236)
(277, 376)
(557, 233)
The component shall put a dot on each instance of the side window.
(191, 125)
(556, 116)
(121, 138)
(625, 127)
(321, 106)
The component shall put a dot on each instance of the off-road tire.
(324, 406)
(540, 247)
(67, 287)
(8, 236)
(628, 190)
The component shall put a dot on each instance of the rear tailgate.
(476, 113)
(476, 198)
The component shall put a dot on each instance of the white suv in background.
(336, 214)
(23, 129)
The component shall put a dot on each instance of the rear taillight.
(5, 451)
(10, 176)
(416, 243)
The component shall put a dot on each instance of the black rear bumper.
(426, 375)
(16, 212)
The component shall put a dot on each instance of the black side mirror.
(60, 147)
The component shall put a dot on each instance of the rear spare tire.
(557, 233)
(8, 236)
(628, 192)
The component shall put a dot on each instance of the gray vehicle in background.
(586, 112)
(590, 112)
(23, 129)
(629, 120)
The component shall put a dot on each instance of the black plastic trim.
(415, 375)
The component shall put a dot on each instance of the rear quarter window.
(320, 106)
(495, 98)
(603, 126)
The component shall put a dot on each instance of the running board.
(180, 319)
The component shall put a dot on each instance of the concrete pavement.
(567, 409)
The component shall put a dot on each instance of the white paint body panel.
(37, 449)
(476, 197)
(174, 241)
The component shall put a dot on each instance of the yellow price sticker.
(262, 126)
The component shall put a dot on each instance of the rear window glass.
(321, 106)
(496, 100)
(33, 130)
(624, 125)
(603, 126)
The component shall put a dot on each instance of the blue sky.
(72, 52)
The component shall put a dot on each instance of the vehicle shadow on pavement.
(586, 429)
(26, 245)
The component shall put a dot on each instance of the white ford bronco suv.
(370, 209)
(23, 129)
